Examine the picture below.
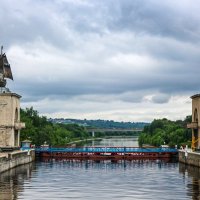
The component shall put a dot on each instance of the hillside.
(99, 123)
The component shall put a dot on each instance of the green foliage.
(164, 131)
(39, 130)
(110, 124)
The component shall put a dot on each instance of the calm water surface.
(64, 179)
(115, 141)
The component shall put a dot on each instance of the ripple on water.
(104, 180)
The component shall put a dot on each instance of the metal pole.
(1, 50)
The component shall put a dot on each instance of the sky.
(122, 60)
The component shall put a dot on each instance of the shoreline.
(83, 140)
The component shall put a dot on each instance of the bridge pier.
(93, 134)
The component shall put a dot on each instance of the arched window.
(195, 115)
(16, 115)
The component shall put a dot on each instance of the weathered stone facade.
(195, 125)
(10, 124)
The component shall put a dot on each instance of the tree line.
(161, 131)
(99, 123)
(164, 131)
(39, 130)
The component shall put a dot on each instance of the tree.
(162, 131)
(39, 130)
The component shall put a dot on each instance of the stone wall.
(190, 158)
(14, 159)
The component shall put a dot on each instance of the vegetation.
(39, 130)
(110, 124)
(117, 133)
(164, 131)
(161, 131)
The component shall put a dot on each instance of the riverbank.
(84, 140)
(9, 160)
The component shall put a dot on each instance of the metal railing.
(106, 149)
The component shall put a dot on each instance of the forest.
(164, 131)
(39, 130)
(161, 131)
(99, 123)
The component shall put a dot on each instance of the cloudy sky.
(126, 60)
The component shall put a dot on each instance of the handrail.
(105, 150)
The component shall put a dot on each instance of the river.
(129, 180)
(114, 141)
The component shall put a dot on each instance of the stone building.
(195, 125)
(10, 124)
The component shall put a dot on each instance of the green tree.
(164, 131)
(39, 130)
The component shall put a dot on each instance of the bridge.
(105, 149)
(112, 130)
(105, 152)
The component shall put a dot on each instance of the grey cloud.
(91, 34)
(128, 88)
(161, 98)
(29, 21)
(166, 19)
(60, 23)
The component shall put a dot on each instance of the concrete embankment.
(16, 158)
(189, 157)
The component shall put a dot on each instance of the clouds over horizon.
(104, 58)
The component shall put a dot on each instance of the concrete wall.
(190, 158)
(15, 159)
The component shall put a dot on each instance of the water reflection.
(74, 179)
(87, 179)
(12, 181)
(105, 179)
(127, 141)
(118, 164)
(193, 186)
(113, 164)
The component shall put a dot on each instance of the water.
(64, 179)
(115, 141)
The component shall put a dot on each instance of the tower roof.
(195, 96)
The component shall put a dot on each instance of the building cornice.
(10, 94)
(195, 96)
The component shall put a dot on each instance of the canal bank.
(9, 160)
(190, 158)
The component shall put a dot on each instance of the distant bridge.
(114, 130)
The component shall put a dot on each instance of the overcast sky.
(126, 60)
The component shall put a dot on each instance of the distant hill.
(100, 123)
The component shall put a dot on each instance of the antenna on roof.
(1, 50)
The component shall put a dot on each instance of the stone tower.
(195, 125)
(10, 124)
